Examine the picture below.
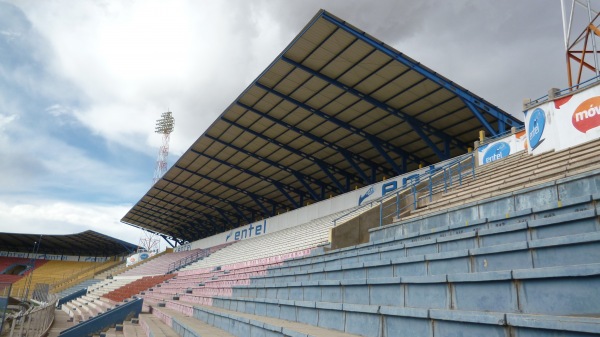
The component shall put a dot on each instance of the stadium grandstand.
(349, 191)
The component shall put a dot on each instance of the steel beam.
(275, 164)
(312, 158)
(342, 124)
(414, 123)
(254, 174)
(319, 140)
(193, 201)
(216, 181)
(431, 75)
(488, 127)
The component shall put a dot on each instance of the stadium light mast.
(164, 126)
(583, 45)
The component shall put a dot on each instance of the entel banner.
(565, 122)
(135, 258)
(502, 148)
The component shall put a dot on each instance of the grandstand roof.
(336, 110)
(88, 243)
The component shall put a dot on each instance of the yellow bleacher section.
(60, 275)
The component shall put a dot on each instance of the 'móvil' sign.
(587, 115)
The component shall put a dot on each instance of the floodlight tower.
(164, 126)
(586, 44)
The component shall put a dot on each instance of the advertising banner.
(502, 148)
(578, 117)
(565, 122)
(135, 258)
(541, 129)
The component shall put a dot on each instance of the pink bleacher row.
(215, 282)
(264, 261)
(145, 327)
(159, 265)
(163, 317)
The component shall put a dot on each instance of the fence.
(452, 172)
(187, 260)
(32, 320)
(425, 185)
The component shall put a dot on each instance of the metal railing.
(32, 321)
(187, 260)
(505, 134)
(425, 185)
(410, 182)
(562, 92)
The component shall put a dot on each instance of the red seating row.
(135, 287)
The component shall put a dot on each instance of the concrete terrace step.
(371, 320)
(155, 327)
(133, 330)
(189, 326)
(242, 324)
(530, 173)
(550, 291)
(528, 163)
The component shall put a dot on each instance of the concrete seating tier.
(297, 238)
(6, 263)
(78, 287)
(459, 277)
(236, 324)
(516, 173)
(135, 287)
(106, 286)
(541, 229)
(158, 265)
(503, 257)
(85, 307)
(50, 272)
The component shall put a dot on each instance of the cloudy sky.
(83, 82)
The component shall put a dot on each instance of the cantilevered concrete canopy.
(338, 109)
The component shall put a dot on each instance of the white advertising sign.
(502, 148)
(565, 122)
(578, 117)
(135, 258)
(541, 129)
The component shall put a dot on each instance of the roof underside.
(88, 243)
(336, 110)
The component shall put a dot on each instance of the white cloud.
(52, 217)
(134, 60)
(5, 120)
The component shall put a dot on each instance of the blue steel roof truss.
(416, 126)
(278, 165)
(317, 139)
(475, 103)
(193, 214)
(257, 198)
(317, 122)
(353, 129)
(278, 185)
(215, 208)
(327, 168)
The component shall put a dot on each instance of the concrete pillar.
(553, 93)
